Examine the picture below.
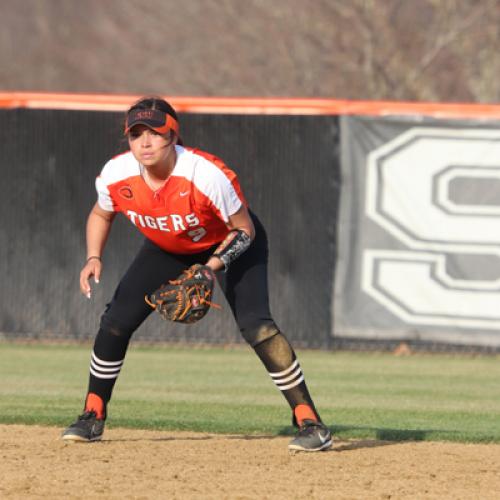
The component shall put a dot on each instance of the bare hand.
(91, 268)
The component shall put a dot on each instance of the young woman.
(186, 203)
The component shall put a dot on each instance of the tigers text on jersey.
(188, 213)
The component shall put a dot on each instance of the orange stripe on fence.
(251, 105)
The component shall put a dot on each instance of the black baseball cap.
(155, 119)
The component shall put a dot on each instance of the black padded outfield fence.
(288, 167)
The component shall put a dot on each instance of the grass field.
(361, 395)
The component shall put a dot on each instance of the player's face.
(149, 147)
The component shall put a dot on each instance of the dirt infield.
(133, 464)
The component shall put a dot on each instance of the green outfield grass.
(361, 395)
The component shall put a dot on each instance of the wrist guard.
(235, 243)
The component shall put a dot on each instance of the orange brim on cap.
(153, 118)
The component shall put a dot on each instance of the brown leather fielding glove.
(186, 299)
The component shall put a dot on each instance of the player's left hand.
(186, 299)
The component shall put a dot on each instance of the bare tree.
(421, 50)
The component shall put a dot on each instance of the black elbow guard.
(235, 243)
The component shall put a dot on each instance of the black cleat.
(86, 428)
(311, 436)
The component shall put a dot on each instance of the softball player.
(185, 202)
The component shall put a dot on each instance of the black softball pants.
(246, 289)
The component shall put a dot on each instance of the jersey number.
(197, 234)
